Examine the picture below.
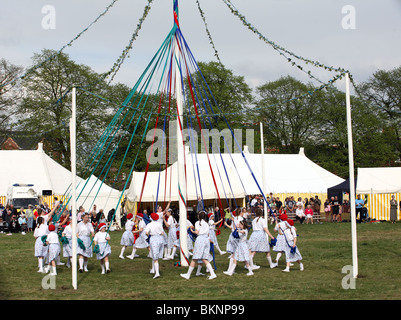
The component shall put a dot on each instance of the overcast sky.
(309, 28)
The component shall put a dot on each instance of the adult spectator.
(279, 204)
(29, 217)
(393, 209)
(299, 213)
(335, 206)
(316, 205)
(359, 204)
(290, 205)
(22, 223)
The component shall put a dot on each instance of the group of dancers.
(201, 238)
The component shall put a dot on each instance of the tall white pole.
(262, 147)
(73, 186)
(182, 188)
(351, 179)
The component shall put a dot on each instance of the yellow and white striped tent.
(378, 185)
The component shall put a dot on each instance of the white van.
(21, 195)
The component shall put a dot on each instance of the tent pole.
(262, 148)
(73, 186)
(351, 178)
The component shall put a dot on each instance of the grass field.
(326, 249)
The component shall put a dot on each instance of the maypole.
(182, 188)
(73, 187)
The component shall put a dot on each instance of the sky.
(363, 40)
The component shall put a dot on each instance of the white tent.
(378, 180)
(285, 173)
(37, 168)
(379, 184)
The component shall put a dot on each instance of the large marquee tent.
(37, 168)
(290, 174)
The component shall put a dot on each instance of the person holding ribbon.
(102, 248)
(84, 248)
(292, 253)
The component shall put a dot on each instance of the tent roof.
(285, 173)
(36, 167)
(379, 180)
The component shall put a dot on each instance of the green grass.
(326, 249)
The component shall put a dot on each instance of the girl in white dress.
(127, 239)
(172, 240)
(154, 229)
(84, 231)
(292, 253)
(67, 247)
(232, 242)
(212, 232)
(280, 244)
(242, 251)
(259, 241)
(102, 239)
(41, 251)
(201, 247)
(54, 249)
(139, 236)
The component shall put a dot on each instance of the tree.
(288, 112)
(9, 91)
(383, 92)
(46, 107)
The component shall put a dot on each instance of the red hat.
(291, 222)
(139, 215)
(210, 214)
(283, 217)
(129, 216)
(154, 216)
(52, 227)
(102, 225)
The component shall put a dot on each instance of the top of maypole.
(175, 11)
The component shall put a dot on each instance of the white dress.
(104, 246)
(258, 241)
(141, 242)
(156, 241)
(40, 249)
(67, 248)
(172, 239)
(281, 243)
(84, 231)
(242, 251)
(54, 246)
(202, 243)
(127, 239)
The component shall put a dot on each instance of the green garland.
(282, 51)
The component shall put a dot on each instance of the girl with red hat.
(54, 249)
(292, 253)
(156, 242)
(140, 240)
(127, 239)
(102, 239)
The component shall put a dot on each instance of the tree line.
(36, 106)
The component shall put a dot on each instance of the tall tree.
(288, 113)
(10, 95)
(46, 108)
(383, 91)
